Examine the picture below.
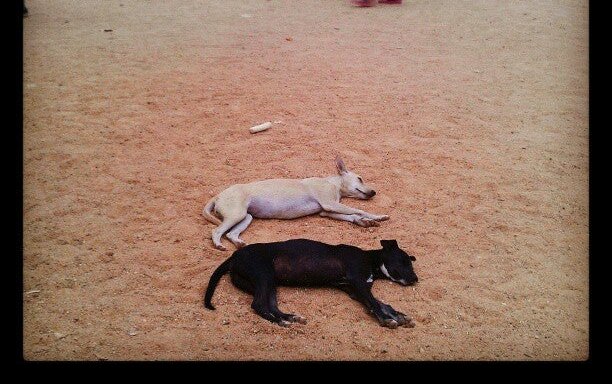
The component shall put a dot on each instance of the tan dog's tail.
(207, 211)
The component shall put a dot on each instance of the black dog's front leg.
(386, 315)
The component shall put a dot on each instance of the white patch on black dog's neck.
(370, 279)
(383, 269)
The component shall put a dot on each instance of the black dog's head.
(397, 264)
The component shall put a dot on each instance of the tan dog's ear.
(340, 165)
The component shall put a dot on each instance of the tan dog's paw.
(239, 243)
(365, 222)
(220, 247)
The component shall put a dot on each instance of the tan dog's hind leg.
(228, 222)
(234, 234)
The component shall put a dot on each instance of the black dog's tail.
(214, 280)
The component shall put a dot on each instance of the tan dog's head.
(352, 183)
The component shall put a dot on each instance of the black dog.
(258, 268)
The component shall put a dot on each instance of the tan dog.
(288, 199)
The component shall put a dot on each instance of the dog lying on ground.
(288, 199)
(258, 269)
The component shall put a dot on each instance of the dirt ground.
(470, 119)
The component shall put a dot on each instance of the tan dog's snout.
(366, 192)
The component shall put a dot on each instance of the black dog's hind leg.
(288, 317)
(263, 289)
(264, 300)
(260, 290)
(242, 283)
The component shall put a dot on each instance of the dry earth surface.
(470, 119)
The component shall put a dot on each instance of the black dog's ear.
(389, 244)
(412, 258)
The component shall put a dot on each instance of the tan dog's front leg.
(346, 210)
(355, 219)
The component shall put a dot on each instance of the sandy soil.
(470, 119)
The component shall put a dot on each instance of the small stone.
(421, 350)
(133, 332)
(225, 322)
(107, 257)
(59, 335)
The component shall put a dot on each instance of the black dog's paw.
(405, 320)
(284, 323)
(402, 319)
(390, 323)
(298, 319)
